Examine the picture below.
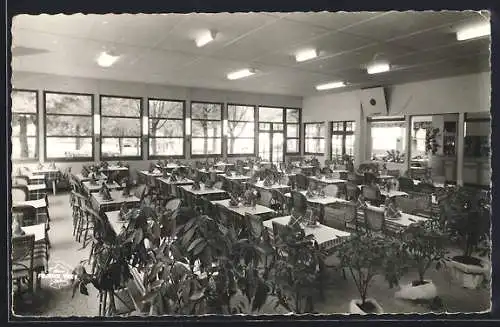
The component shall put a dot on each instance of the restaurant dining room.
(263, 163)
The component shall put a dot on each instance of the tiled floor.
(55, 298)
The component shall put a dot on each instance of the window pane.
(206, 111)
(206, 128)
(270, 114)
(243, 146)
(292, 146)
(68, 125)
(337, 146)
(23, 101)
(115, 147)
(315, 130)
(349, 145)
(162, 127)
(277, 127)
(69, 147)
(240, 113)
(166, 109)
(292, 115)
(24, 147)
(265, 127)
(206, 145)
(292, 130)
(350, 126)
(120, 126)
(24, 124)
(73, 104)
(111, 106)
(315, 145)
(240, 129)
(166, 146)
(388, 136)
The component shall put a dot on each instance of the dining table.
(242, 210)
(117, 200)
(79, 177)
(320, 202)
(51, 175)
(91, 188)
(36, 191)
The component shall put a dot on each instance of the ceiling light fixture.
(378, 67)
(241, 73)
(473, 32)
(106, 59)
(205, 38)
(328, 86)
(306, 55)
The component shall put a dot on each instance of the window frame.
(154, 157)
(37, 134)
(314, 138)
(92, 108)
(255, 130)
(101, 137)
(387, 119)
(299, 124)
(344, 133)
(207, 155)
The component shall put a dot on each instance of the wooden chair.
(302, 181)
(19, 193)
(406, 184)
(335, 216)
(284, 203)
(23, 252)
(374, 220)
(372, 194)
(299, 201)
(352, 191)
(26, 213)
(351, 217)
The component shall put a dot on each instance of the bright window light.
(225, 127)
(97, 124)
(145, 126)
(306, 55)
(377, 68)
(241, 73)
(328, 86)
(188, 126)
(473, 32)
(204, 38)
(106, 60)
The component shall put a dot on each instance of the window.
(166, 128)
(68, 126)
(120, 127)
(24, 125)
(241, 129)
(314, 138)
(388, 140)
(292, 131)
(271, 134)
(206, 128)
(343, 139)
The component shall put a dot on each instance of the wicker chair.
(302, 181)
(23, 252)
(26, 213)
(299, 201)
(374, 220)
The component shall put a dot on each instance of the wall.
(45, 82)
(459, 94)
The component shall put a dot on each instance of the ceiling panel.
(329, 20)
(397, 24)
(77, 25)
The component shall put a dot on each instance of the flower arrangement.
(196, 186)
(123, 212)
(105, 193)
(104, 164)
(85, 171)
(233, 200)
(391, 210)
(151, 167)
(126, 186)
(250, 197)
(431, 144)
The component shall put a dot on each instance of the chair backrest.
(27, 214)
(406, 184)
(374, 219)
(23, 249)
(371, 193)
(334, 216)
(224, 216)
(352, 191)
(302, 181)
(21, 180)
(254, 225)
(331, 190)
(140, 192)
(299, 201)
(19, 193)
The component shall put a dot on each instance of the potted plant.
(466, 215)
(367, 255)
(431, 144)
(425, 245)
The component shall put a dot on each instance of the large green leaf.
(195, 243)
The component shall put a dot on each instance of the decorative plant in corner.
(367, 255)
(466, 215)
(394, 156)
(426, 245)
(431, 144)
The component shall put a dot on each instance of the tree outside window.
(241, 129)
(24, 125)
(314, 138)
(206, 128)
(166, 128)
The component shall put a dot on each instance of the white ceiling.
(160, 49)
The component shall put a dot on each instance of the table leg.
(54, 186)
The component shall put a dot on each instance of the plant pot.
(469, 275)
(411, 291)
(374, 307)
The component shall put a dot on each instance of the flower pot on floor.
(418, 291)
(371, 307)
(469, 273)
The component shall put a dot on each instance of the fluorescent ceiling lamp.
(328, 86)
(188, 126)
(97, 124)
(306, 55)
(241, 73)
(378, 68)
(473, 32)
(106, 60)
(204, 38)
(145, 126)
